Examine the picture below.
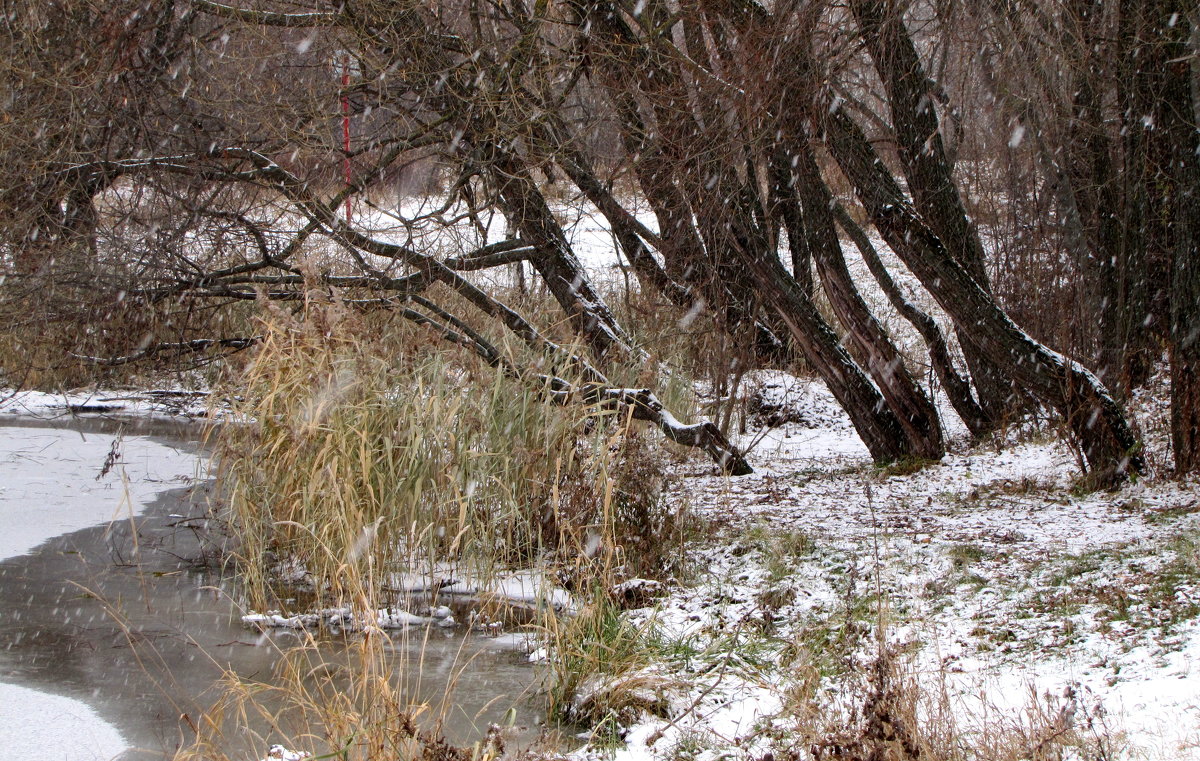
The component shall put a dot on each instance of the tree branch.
(270, 18)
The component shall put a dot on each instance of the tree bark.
(957, 388)
(783, 187)
(905, 398)
(929, 172)
(1180, 104)
(1092, 414)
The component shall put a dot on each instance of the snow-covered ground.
(53, 482)
(162, 403)
(41, 727)
(1006, 591)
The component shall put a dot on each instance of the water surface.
(127, 617)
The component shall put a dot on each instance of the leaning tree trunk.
(1085, 404)
(957, 387)
(929, 172)
(675, 174)
(872, 418)
(628, 232)
(905, 398)
(556, 263)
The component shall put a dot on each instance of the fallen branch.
(180, 348)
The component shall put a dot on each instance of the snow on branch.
(269, 18)
(180, 348)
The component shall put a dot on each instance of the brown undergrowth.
(900, 715)
(361, 461)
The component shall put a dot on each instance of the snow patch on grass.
(1006, 590)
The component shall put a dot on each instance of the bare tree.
(734, 121)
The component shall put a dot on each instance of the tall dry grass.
(896, 713)
(360, 458)
(365, 453)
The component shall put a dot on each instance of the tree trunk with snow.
(957, 388)
(1089, 410)
(904, 397)
(930, 174)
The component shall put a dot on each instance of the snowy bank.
(56, 482)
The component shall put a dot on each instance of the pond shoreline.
(62, 651)
(121, 618)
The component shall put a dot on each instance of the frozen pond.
(112, 634)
